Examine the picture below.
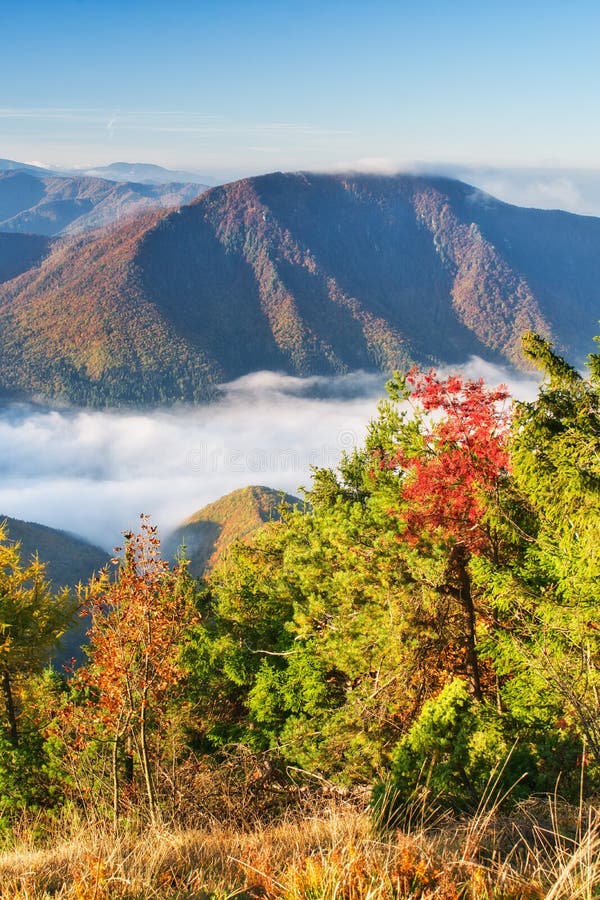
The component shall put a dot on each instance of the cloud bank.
(93, 473)
(572, 189)
(540, 187)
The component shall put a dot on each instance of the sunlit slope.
(206, 534)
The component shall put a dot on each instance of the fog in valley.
(93, 472)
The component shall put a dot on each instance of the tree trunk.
(10, 708)
(460, 558)
(145, 761)
(115, 779)
(128, 769)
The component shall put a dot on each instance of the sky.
(237, 87)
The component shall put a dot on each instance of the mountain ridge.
(301, 273)
(35, 202)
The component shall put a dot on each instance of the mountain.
(139, 173)
(209, 532)
(32, 201)
(145, 173)
(20, 252)
(69, 560)
(303, 273)
(12, 165)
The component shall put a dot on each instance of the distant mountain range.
(57, 204)
(303, 273)
(140, 173)
(145, 173)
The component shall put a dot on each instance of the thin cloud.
(575, 190)
(152, 120)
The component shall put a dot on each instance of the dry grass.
(333, 855)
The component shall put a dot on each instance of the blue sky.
(234, 88)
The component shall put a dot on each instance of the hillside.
(69, 560)
(20, 252)
(307, 274)
(34, 202)
(206, 534)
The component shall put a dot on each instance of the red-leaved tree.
(452, 461)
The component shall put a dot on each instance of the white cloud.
(522, 386)
(575, 190)
(93, 473)
(543, 187)
(377, 165)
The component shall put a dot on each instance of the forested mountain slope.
(304, 273)
(68, 561)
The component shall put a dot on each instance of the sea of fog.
(93, 472)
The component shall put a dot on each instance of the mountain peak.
(208, 532)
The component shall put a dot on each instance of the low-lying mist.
(93, 472)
